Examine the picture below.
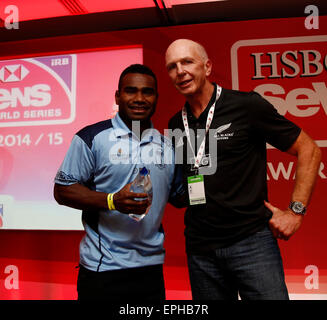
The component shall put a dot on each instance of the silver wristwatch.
(298, 207)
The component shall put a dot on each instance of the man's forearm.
(80, 197)
(309, 157)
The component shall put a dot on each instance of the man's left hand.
(283, 223)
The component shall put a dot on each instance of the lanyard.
(201, 150)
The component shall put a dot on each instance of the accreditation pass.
(196, 189)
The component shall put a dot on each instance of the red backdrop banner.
(280, 59)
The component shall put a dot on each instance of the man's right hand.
(124, 201)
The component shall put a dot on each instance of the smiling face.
(137, 97)
(188, 66)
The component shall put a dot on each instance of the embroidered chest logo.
(219, 135)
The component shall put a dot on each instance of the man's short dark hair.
(137, 68)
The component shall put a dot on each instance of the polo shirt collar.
(203, 115)
(119, 126)
(121, 130)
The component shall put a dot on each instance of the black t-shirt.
(235, 177)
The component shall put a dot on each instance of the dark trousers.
(252, 268)
(134, 284)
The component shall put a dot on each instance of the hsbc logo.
(291, 73)
(13, 73)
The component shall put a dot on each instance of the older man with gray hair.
(230, 227)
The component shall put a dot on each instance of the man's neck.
(199, 101)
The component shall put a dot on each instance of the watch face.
(298, 207)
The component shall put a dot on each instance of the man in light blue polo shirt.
(120, 258)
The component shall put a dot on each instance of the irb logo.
(291, 73)
(38, 91)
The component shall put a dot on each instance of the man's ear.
(117, 97)
(208, 66)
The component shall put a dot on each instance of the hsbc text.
(305, 63)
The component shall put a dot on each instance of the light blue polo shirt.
(105, 157)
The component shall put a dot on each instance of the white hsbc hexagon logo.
(13, 73)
